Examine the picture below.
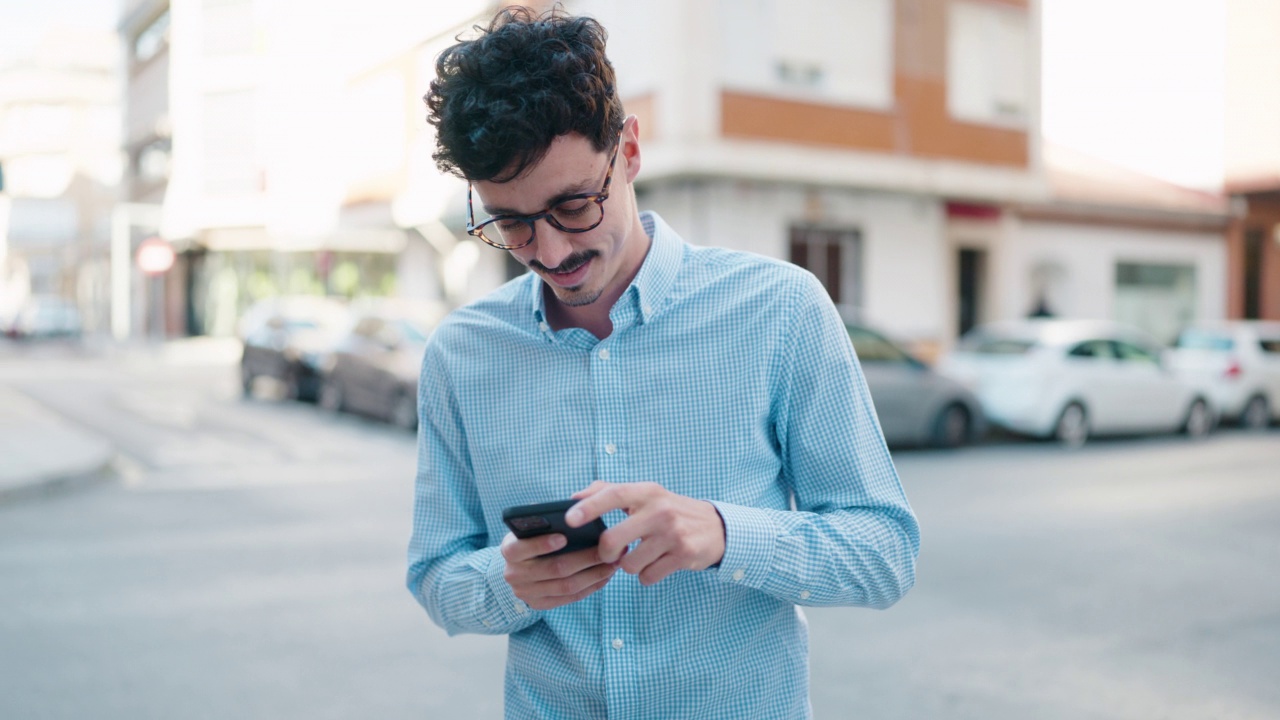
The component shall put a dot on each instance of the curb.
(57, 484)
(41, 452)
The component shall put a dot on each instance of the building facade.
(1252, 156)
(59, 150)
(238, 135)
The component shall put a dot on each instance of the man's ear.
(630, 150)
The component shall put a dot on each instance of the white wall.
(903, 253)
(1252, 145)
(1085, 257)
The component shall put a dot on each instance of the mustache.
(571, 263)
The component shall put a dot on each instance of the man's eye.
(508, 225)
(573, 208)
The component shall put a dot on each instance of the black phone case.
(528, 521)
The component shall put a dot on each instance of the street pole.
(126, 217)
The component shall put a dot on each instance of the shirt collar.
(653, 281)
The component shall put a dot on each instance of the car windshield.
(995, 345)
(1204, 340)
(414, 330)
(871, 347)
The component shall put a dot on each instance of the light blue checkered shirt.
(728, 377)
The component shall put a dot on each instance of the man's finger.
(609, 497)
(516, 550)
(614, 541)
(589, 490)
(660, 569)
(547, 603)
(648, 551)
(572, 584)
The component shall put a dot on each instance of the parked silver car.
(284, 338)
(1240, 362)
(1072, 379)
(373, 369)
(916, 405)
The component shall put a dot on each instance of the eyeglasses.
(573, 214)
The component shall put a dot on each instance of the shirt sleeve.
(852, 538)
(453, 573)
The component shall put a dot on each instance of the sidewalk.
(40, 451)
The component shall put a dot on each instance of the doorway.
(971, 284)
(1253, 274)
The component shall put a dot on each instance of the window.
(833, 255)
(153, 161)
(1095, 349)
(153, 38)
(1130, 353)
(988, 64)
(871, 347)
(813, 50)
(1158, 298)
(1194, 339)
(984, 345)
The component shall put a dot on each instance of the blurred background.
(937, 164)
(223, 243)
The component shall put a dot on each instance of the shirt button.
(604, 354)
(804, 594)
(617, 643)
(543, 327)
(739, 574)
(648, 309)
(521, 609)
(610, 448)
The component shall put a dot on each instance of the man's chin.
(577, 296)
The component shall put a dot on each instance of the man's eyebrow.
(582, 188)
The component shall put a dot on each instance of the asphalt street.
(247, 561)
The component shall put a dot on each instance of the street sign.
(155, 256)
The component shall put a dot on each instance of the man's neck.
(593, 318)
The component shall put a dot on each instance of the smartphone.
(528, 521)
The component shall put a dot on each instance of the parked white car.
(1240, 362)
(1070, 379)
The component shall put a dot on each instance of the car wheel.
(246, 382)
(951, 429)
(331, 396)
(1256, 415)
(405, 412)
(1072, 429)
(1199, 422)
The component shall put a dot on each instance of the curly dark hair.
(499, 100)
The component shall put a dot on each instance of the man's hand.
(549, 582)
(675, 532)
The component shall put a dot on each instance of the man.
(706, 403)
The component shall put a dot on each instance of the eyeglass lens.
(575, 214)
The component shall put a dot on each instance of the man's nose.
(551, 245)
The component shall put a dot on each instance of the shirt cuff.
(750, 538)
(513, 611)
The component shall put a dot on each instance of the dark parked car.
(916, 405)
(374, 367)
(286, 339)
